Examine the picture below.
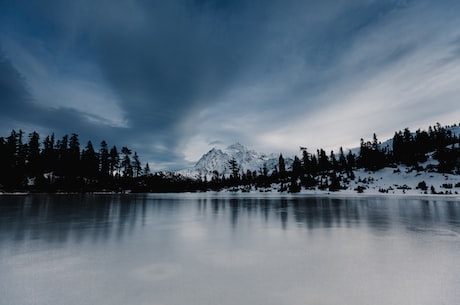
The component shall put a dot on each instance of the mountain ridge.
(217, 162)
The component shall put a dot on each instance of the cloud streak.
(170, 78)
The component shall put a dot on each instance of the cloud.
(13, 90)
(397, 71)
(21, 110)
(170, 78)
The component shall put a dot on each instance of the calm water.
(216, 249)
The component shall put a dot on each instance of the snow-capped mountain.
(219, 160)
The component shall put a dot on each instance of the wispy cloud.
(170, 78)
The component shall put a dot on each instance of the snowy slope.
(399, 180)
(219, 160)
(388, 144)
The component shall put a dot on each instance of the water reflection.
(58, 218)
(217, 249)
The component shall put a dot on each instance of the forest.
(29, 164)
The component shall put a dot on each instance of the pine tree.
(126, 162)
(62, 156)
(282, 167)
(114, 162)
(33, 154)
(137, 169)
(234, 168)
(147, 170)
(333, 161)
(295, 175)
(21, 155)
(89, 162)
(323, 162)
(74, 155)
(342, 160)
(306, 162)
(104, 166)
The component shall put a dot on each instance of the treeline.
(331, 171)
(62, 165)
(413, 148)
(309, 170)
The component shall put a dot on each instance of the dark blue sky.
(171, 78)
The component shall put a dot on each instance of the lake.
(211, 248)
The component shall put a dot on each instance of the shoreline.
(387, 182)
(258, 194)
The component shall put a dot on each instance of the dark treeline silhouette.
(62, 165)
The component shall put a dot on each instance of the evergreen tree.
(33, 154)
(295, 175)
(147, 169)
(323, 162)
(21, 156)
(333, 161)
(263, 178)
(89, 162)
(342, 160)
(249, 177)
(335, 183)
(74, 156)
(282, 167)
(6, 162)
(104, 157)
(314, 165)
(126, 162)
(49, 156)
(14, 169)
(351, 160)
(137, 169)
(62, 156)
(234, 168)
(371, 156)
(375, 142)
(296, 168)
(306, 162)
(114, 161)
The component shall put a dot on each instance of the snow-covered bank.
(434, 159)
(404, 180)
(401, 180)
(14, 193)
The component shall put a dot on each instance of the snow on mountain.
(219, 160)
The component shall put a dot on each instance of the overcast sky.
(171, 79)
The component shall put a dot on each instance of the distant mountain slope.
(219, 160)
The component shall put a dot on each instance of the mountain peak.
(217, 160)
(237, 146)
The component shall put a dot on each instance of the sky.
(172, 79)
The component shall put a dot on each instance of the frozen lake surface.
(228, 249)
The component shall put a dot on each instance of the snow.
(387, 181)
(219, 160)
(399, 180)
(402, 180)
(388, 144)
